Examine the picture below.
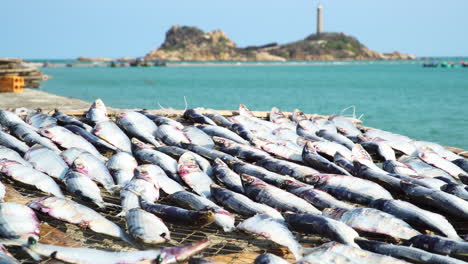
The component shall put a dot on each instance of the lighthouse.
(319, 19)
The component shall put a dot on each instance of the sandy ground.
(33, 99)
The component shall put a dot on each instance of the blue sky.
(116, 28)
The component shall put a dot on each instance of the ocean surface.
(402, 97)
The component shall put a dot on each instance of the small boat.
(431, 64)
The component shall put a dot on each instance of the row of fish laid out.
(314, 176)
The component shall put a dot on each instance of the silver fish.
(226, 176)
(241, 204)
(137, 189)
(313, 159)
(18, 221)
(10, 119)
(286, 167)
(223, 218)
(83, 187)
(198, 137)
(31, 137)
(146, 154)
(122, 165)
(9, 154)
(71, 154)
(380, 148)
(273, 178)
(172, 136)
(95, 141)
(423, 168)
(273, 229)
(292, 154)
(440, 245)
(308, 130)
(242, 131)
(222, 132)
(64, 119)
(40, 120)
(416, 216)
(211, 154)
(162, 120)
(176, 152)
(111, 133)
(13, 143)
(298, 115)
(440, 150)
(146, 227)
(180, 216)
(219, 119)
(323, 123)
(348, 188)
(461, 191)
(240, 150)
(268, 258)
(97, 112)
(67, 139)
(262, 192)
(323, 226)
(331, 148)
(335, 137)
(139, 126)
(158, 177)
(193, 176)
(45, 160)
(345, 125)
(97, 256)
(30, 176)
(431, 157)
(373, 220)
(246, 113)
(278, 117)
(89, 165)
(194, 116)
(69, 211)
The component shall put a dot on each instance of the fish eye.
(159, 259)
(32, 241)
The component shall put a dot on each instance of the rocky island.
(184, 43)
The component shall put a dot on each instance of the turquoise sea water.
(402, 97)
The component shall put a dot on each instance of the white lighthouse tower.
(319, 19)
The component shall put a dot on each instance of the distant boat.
(432, 64)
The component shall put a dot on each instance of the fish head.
(313, 179)
(180, 253)
(244, 111)
(222, 141)
(220, 163)
(334, 213)
(121, 115)
(187, 164)
(39, 204)
(298, 115)
(80, 166)
(139, 144)
(5, 165)
(309, 148)
(47, 132)
(358, 153)
(251, 180)
(99, 104)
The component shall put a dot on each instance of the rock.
(89, 59)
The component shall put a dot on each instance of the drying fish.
(146, 154)
(97, 112)
(317, 198)
(64, 120)
(194, 116)
(345, 126)
(208, 153)
(335, 137)
(384, 179)
(313, 159)
(323, 123)
(176, 152)
(246, 113)
(83, 187)
(462, 163)
(241, 167)
(287, 134)
(381, 149)
(223, 218)
(71, 154)
(158, 177)
(45, 160)
(30, 176)
(341, 161)
(461, 191)
(110, 132)
(308, 130)
(97, 142)
(9, 154)
(262, 192)
(374, 221)
(298, 115)
(40, 120)
(97, 256)
(31, 137)
(219, 119)
(222, 132)
(323, 226)
(440, 245)
(69, 211)
(13, 143)
(146, 227)
(241, 204)
(268, 258)
(432, 158)
(137, 189)
(393, 166)
(193, 176)
(6, 257)
(10, 119)
(423, 168)
(171, 136)
(416, 216)
(89, 165)
(329, 149)
(286, 167)
(122, 165)
(162, 120)
(356, 254)
(242, 131)
(226, 176)
(2, 192)
(278, 150)
(198, 137)
(67, 139)
(240, 150)
(139, 126)
(443, 201)
(274, 230)
(440, 150)
(407, 253)
(18, 221)
(180, 216)
(278, 117)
